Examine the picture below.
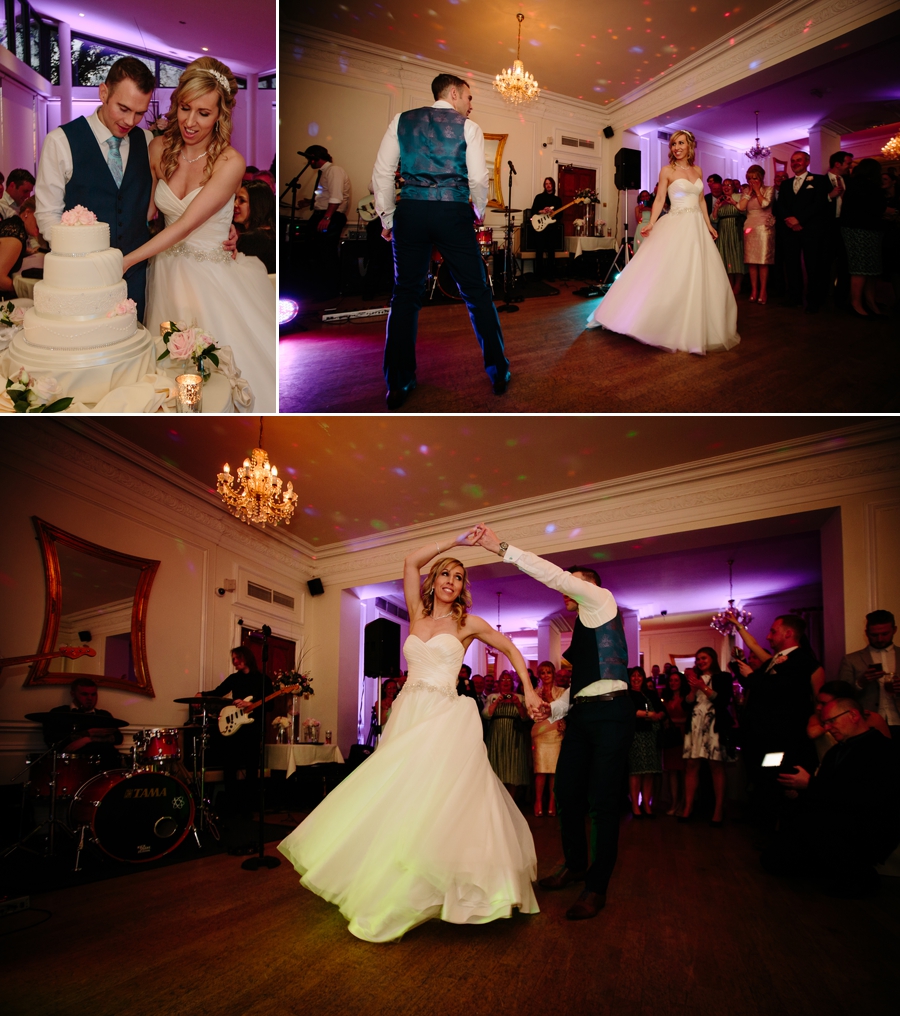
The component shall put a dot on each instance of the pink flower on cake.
(123, 307)
(181, 344)
(78, 216)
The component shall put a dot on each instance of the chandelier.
(514, 84)
(726, 620)
(892, 148)
(255, 494)
(758, 152)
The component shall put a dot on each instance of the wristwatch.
(504, 547)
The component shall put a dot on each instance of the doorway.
(572, 179)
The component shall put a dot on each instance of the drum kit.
(138, 812)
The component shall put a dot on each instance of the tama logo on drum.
(146, 792)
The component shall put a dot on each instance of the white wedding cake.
(83, 329)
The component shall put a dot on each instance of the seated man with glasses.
(848, 816)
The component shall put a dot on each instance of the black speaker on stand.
(628, 169)
(381, 656)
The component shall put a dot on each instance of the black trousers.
(589, 778)
(419, 227)
(326, 267)
(810, 245)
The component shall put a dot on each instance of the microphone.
(512, 167)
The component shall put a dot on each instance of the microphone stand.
(293, 187)
(261, 860)
(509, 266)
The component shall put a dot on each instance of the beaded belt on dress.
(681, 209)
(425, 686)
(182, 250)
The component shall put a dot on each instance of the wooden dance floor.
(787, 362)
(693, 927)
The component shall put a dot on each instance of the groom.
(101, 162)
(599, 726)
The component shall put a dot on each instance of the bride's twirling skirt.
(422, 829)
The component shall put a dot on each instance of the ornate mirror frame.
(39, 674)
(493, 156)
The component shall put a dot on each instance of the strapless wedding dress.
(423, 828)
(197, 283)
(674, 293)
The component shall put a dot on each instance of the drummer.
(99, 742)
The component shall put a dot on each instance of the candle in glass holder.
(190, 393)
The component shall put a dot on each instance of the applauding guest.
(546, 740)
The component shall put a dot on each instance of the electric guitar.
(71, 652)
(233, 717)
(541, 222)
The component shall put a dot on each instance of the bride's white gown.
(674, 292)
(423, 828)
(196, 282)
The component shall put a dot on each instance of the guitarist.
(547, 240)
(241, 750)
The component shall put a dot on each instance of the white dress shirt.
(798, 181)
(56, 168)
(333, 190)
(839, 200)
(8, 207)
(596, 606)
(389, 158)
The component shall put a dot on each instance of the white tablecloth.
(24, 287)
(580, 244)
(289, 756)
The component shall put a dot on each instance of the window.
(170, 73)
(268, 81)
(91, 60)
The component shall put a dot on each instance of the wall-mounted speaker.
(608, 132)
(381, 656)
(315, 587)
(628, 169)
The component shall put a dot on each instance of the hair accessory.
(220, 77)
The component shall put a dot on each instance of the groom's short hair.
(586, 571)
(135, 70)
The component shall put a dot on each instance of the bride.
(423, 828)
(192, 280)
(675, 292)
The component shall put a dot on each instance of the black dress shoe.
(561, 879)
(397, 396)
(586, 906)
(501, 383)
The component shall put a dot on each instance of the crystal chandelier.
(726, 620)
(255, 495)
(892, 148)
(758, 152)
(514, 84)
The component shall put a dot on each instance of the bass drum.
(134, 815)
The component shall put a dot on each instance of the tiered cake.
(83, 329)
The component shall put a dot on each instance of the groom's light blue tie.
(114, 160)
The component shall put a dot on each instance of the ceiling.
(238, 34)
(569, 54)
(357, 477)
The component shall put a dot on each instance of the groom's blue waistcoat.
(92, 185)
(598, 654)
(433, 155)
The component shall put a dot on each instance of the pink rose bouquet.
(122, 307)
(78, 216)
(29, 394)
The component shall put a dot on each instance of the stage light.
(287, 310)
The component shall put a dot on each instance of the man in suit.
(873, 670)
(101, 162)
(804, 209)
(442, 154)
(599, 726)
(714, 182)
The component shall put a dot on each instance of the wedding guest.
(776, 276)
(759, 232)
(642, 215)
(254, 219)
(862, 223)
(839, 165)
(14, 236)
(804, 209)
(726, 215)
(546, 740)
(708, 724)
(546, 241)
(673, 699)
(643, 756)
(19, 186)
(714, 182)
(507, 750)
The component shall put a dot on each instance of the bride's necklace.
(199, 157)
(439, 617)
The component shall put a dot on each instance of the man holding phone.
(874, 671)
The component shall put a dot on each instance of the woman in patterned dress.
(759, 232)
(644, 760)
(507, 748)
(726, 216)
(708, 723)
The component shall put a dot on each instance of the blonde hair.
(462, 602)
(203, 75)
(756, 171)
(692, 146)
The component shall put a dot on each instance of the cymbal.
(78, 721)
(203, 700)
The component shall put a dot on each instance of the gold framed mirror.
(95, 596)
(493, 156)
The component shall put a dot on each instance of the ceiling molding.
(777, 34)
